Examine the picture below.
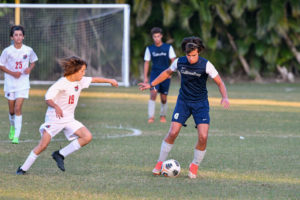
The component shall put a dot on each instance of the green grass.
(264, 165)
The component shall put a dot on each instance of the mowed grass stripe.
(172, 99)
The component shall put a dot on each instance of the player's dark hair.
(71, 65)
(195, 40)
(156, 30)
(16, 28)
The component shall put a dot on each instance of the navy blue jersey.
(193, 78)
(160, 56)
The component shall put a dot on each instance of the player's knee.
(172, 134)
(88, 137)
(202, 139)
(164, 101)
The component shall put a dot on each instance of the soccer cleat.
(157, 168)
(150, 120)
(15, 140)
(11, 132)
(163, 119)
(20, 171)
(193, 171)
(59, 160)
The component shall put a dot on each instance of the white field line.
(134, 132)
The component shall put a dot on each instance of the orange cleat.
(193, 171)
(157, 169)
(151, 120)
(163, 119)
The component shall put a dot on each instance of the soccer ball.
(170, 168)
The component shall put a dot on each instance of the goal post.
(98, 33)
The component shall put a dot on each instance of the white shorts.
(17, 94)
(69, 129)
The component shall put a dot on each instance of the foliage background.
(247, 39)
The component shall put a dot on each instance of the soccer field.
(253, 148)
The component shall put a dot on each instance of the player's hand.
(144, 86)
(225, 103)
(27, 71)
(16, 74)
(114, 83)
(59, 112)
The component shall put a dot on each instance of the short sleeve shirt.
(17, 60)
(65, 94)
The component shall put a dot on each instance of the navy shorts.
(183, 110)
(164, 86)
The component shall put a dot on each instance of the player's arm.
(29, 69)
(163, 76)
(223, 91)
(58, 110)
(113, 82)
(146, 70)
(147, 59)
(14, 74)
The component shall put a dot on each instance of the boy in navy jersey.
(192, 100)
(160, 54)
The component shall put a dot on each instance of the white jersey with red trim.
(17, 60)
(65, 94)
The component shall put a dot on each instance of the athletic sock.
(198, 156)
(11, 119)
(163, 109)
(151, 108)
(18, 125)
(164, 150)
(70, 148)
(29, 161)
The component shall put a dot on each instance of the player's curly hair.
(71, 65)
(189, 44)
(16, 28)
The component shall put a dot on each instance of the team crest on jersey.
(47, 126)
(25, 56)
(8, 94)
(76, 88)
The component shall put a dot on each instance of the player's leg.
(151, 105)
(166, 146)
(180, 115)
(44, 142)
(163, 107)
(82, 137)
(164, 90)
(18, 119)
(153, 95)
(202, 119)
(11, 116)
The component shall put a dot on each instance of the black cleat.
(20, 171)
(59, 160)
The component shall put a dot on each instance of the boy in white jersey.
(17, 61)
(62, 98)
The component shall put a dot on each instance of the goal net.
(97, 33)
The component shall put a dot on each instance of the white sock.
(163, 109)
(29, 161)
(151, 108)
(198, 156)
(164, 150)
(11, 119)
(70, 148)
(18, 125)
